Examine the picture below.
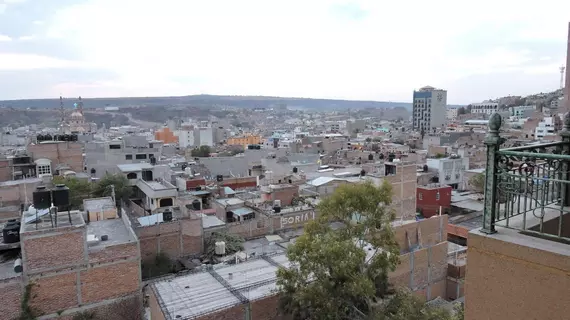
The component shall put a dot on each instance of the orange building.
(165, 135)
(244, 140)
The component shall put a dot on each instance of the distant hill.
(208, 100)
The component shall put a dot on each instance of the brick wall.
(70, 153)
(50, 294)
(10, 294)
(233, 313)
(112, 281)
(5, 171)
(175, 239)
(54, 250)
(266, 308)
(111, 253)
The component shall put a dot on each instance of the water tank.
(391, 157)
(381, 156)
(167, 216)
(370, 157)
(18, 266)
(219, 178)
(220, 249)
(277, 203)
(48, 137)
(11, 234)
(152, 160)
(362, 173)
(60, 195)
(425, 168)
(196, 205)
(42, 198)
(276, 209)
(295, 170)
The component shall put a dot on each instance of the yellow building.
(244, 140)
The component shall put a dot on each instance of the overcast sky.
(369, 50)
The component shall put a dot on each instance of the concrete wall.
(514, 276)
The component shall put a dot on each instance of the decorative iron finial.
(495, 122)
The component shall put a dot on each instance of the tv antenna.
(562, 68)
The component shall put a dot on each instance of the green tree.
(79, 189)
(202, 151)
(123, 190)
(332, 276)
(478, 182)
(404, 305)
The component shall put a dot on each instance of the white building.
(186, 137)
(429, 109)
(450, 170)
(451, 114)
(484, 107)
(545, 128)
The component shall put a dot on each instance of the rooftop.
(132, 167)
(157, 186)
(7, 267)
(115, 229)
(98, 204)
(219, 288)
(60, 220)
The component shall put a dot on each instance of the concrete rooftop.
(115, 229)
(62, 219)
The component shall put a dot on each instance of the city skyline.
(355, 50)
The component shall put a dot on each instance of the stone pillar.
(493, 142)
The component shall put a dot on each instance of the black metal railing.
(528, 187)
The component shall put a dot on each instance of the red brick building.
(431, 198)
(71, 266)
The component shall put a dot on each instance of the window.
(44, 169)
(140, 156)
(129, 157)
(131, 175)
(114, 146)
(437, 196)
(420, 196)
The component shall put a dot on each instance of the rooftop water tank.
(220, 248)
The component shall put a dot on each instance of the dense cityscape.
(264, 208)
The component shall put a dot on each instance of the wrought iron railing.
(528, 188)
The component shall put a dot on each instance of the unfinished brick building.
(70, 266)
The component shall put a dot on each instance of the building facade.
(429, 109)
(484, 107)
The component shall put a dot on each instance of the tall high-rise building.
(429, 109)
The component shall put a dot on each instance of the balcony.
(522, 252)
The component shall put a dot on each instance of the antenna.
(61, 114)
(562, 68)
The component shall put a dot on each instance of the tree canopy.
(338, 273)
(202, 151)
(478, 182)
(331, 275)
(79, 189)
(123, 189)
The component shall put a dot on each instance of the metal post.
(493, 142)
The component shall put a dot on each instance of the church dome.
(76, 115)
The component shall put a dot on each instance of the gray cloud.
(39, 83)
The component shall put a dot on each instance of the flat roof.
(210, 221)
(115, 229)
(45, 223)
(7, 268)
(242, 211)
(98, 204)
(156, 186)
(131, 167)
(202, 293)
(230, 201)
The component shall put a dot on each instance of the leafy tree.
(123, 190)
(404, 305)
(332, 276)
(233, 242)
(79, 189)
(478, 182)
(202, 151)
